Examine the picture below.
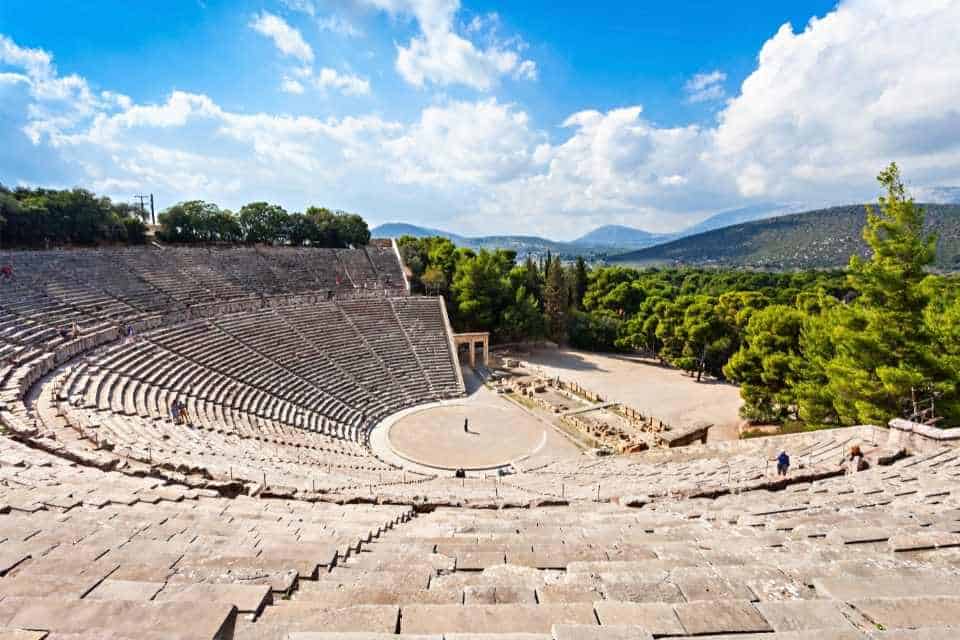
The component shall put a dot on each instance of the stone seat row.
(52, 290)
(82, 551)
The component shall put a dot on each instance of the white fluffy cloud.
(286, 38)
(333, 22)
(705, 87)
(345, 83)
(291, 85)
(466, 144)
(826, 108)
(441, 56)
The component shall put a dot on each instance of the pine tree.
(883, 349)
(767, 365)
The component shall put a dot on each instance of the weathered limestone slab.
(246, 598)
(820, 634)
(802, 615)
(502, 594)
(860, 535)
(177, 621)
(504, 618)
(629, 591)
(11, 555)
(721, 616)
(696, 588)
(66, 586)
(142, 573)
(658, 619)
(629, 552)
(593, 632)
(479, 560)
(559, 593)
(931, 633)
(889, 586)
(498, 636)
(336, 635)
(924, 541)
(360, 618)
(899, 613)
(111, 589)
(21, 634)
(333, 595)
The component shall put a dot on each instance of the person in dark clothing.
(783, 463)
(466, 425)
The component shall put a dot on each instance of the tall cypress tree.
(579, 282)
(555, 301)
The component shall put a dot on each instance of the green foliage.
(522, 320)
(479, 290)
(263, 222)
(42, 217)
(555, 302)
(593, 331)
(768, 364)
(884, 350)
(135, 230)
(196, 221)
(580, 282)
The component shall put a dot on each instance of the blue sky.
(532, 117)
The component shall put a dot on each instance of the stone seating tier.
(93, 554)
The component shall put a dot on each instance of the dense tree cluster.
(877, 341)
(42, 217)
(489, 291)
(48, 217)
(261, 222)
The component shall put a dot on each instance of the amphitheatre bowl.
(433, 436)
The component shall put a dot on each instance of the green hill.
(814, 239)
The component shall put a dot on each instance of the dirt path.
(665, 393)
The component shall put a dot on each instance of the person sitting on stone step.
(783, 463)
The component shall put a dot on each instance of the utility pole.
(142, 199)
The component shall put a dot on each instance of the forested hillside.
(877, 340)
(825, 238)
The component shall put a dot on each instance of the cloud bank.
(826, 107)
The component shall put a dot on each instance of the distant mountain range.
(823, 238)
(768, 236)
(615, 235)
(736, 216)
(608, 240)
(939, 195)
